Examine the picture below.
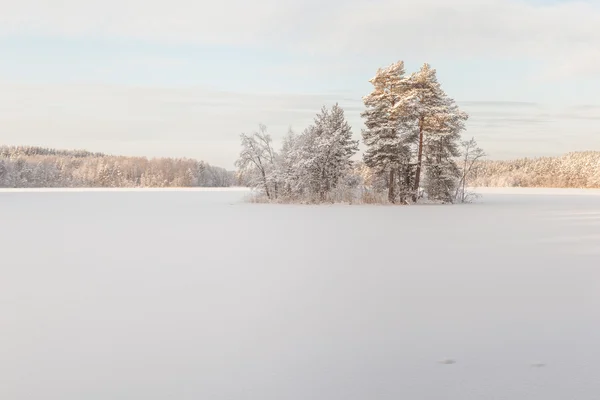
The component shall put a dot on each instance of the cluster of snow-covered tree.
(572, 170)
(413, 149)
(34, 167)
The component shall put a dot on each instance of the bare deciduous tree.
(257, 158)
(471, 153)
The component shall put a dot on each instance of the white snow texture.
(200, 295)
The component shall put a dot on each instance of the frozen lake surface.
(197, 295)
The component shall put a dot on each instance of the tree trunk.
(460, 196)
(464, 180)
(323, 186)
(265, 184)
(419, 162)
(401, 184)
(407, 176)
(391, 196)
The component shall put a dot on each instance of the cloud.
(512, 129)
(236, 22)
(575, 65)
(469, 27)
(500, 104)
(564, 35)
(204, 123)
(337, 42)
(195, 122)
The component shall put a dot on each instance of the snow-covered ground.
(198, 295)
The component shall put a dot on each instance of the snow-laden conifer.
(438, 122)
(386, 136)
(319, 158)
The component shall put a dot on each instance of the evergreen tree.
(292, 166)
(330, 150)
(386, 136)
(438, 122)
(314, 163)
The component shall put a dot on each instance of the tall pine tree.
(385, 136)
(438, 123)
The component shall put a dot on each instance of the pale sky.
(184, 78)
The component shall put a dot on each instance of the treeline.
(414, 151)
(572, 170)
(36, 167)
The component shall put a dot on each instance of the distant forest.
(36, 167)
(572, 170)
